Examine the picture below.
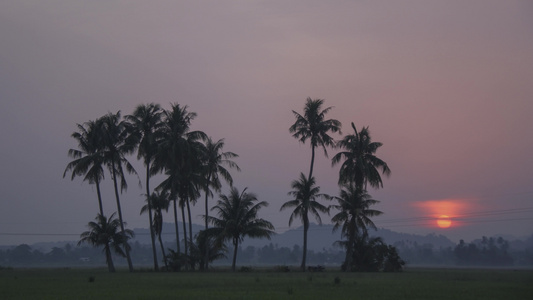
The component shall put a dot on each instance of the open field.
(266, 284)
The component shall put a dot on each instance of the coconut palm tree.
(198, 250)
(146, 130)
(105, 232)
(173, 152)
(158, 202)
(354, 216)
(88, 160)
(360, 165)
(117, 143)
(190, 183)
(237, 219)
(215, 163)
(314, 126)
(305, 194)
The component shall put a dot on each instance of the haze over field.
(446, 86)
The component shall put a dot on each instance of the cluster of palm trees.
(192, 164)
(360, 167)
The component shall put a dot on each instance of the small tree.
(106, 232)
(237, 218)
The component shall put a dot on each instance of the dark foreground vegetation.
(268, 283)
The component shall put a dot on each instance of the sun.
(444, 221)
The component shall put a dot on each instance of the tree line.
(493, 251)
(193, 164)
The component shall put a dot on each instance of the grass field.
(411, 284)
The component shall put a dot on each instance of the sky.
(446, 86)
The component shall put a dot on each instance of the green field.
(266, 284)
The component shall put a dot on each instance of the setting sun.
(444, 221)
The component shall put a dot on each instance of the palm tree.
(190, 182)
(237, 218)
(354, 216)
(360, 166)
(215, 163)
(198, 249)
(118, 142)
(305, 194)
(146, 121)
(314, 126)
(172, 153)
(158, 202)
(88, 160)
(105, 232)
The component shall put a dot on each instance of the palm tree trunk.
(162, 250)
(190, 225)
(109, 259)
(348, 260)
(128, 257)
(312, 162)
(304, 256)
(99, 197)
(184, 229)
(154, 254)
(176, 226)
(236, 244)
(206, 255)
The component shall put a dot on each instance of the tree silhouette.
(215, 163)
(305, 194)
(118, 142)
(146, 132)
(360, 165)
(313, 125)
(173, 153)
(354, 217)
(158, 202)
(88, 158)
(105, 232)
(237, 218)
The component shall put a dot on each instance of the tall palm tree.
(314, 126)
(305, 194)
(158, 202)
(360, 166)
(105, 232)
(118, 142)
(172, 153)
(190, 182)
(237, 218)
(354, 216)
(215, 162)
(146, 130)
(88, 160)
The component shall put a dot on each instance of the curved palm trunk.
(306, 228)
(152, 237)
(312, 162)
(176, 226)
(162, 250)
(236, 244)
(109, 259)
(99, 197)
(128, 257)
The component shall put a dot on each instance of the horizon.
(445, 86)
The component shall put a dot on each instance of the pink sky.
(446, 86)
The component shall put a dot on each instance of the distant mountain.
(321, 237)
